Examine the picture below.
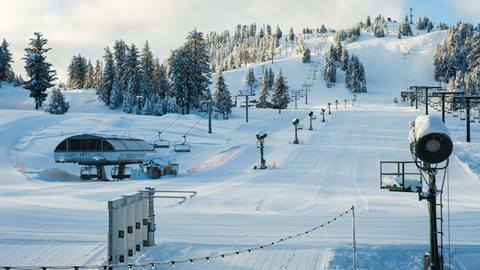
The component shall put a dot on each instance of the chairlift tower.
(246, 94)
(296, 95)
(442, 95)
(306, 87)
(467, 100)
(431, 148)
(425, 89)
(209, 103)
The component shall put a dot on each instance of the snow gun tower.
(431, 148)
(261, 144)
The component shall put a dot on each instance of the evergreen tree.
(108, 78)
(269, 30)
(330, 69)
(278, 33)
(120, 49)
(161, 86)
(89, 77)
(57, 104)
(250, 80)
(222, 96)
(198, 64)
(264, 87)
(355, 76)
(77, 71)
(147, 63)
(291, 35)
(5, 61)
(306, 56)
(271, 78)
(38, 69)
(344, 59)
(280, 96)
(178, 74)
(116, 97)
(98, 77)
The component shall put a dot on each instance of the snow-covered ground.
(49, 216)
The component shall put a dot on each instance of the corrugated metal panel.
(130, 145)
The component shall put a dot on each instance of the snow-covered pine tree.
(198, 63)
(330, 69)
(344, 59)
(131, 68)
(178, 74)
(291, 35)
(162, 84)
(89, 76)
(120, 55)
(98, 77)
(280, 94)
(278, 33)
(5, 61)
(108, 77)
(77, 71)
(222, 96)
(116, 96)
(38, 70)
(147, 63)
(250, 80)
(306, 56)
(57, 103)
(271, 78)
(264, 87)
(368, 22)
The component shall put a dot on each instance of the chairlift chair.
(121, 172)
(87, 174)
(161, 143)
(182, 147)
(463, 115)
(455, 112)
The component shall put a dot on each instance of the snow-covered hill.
(50, 216)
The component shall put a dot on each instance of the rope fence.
(153, 264)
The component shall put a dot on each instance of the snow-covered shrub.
(57, 104)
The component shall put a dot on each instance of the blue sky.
(86, 26)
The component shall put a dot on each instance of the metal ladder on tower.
(440, 234)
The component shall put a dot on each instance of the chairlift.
(182, 147)
(161, 143)
(121, 172)
(88, 173)
(463, 115)
(455, 112)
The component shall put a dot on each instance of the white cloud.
(86, 26)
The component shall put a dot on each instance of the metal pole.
(426, 101)
(151, 217)
(354, 248)
(311, 127)
(262, 160)
(432, 207)
(468, 119)
(246, 108)
(210, 117)
(306, 94)
(295, 99)
(443, 108)
(296, 137)
(416, 99)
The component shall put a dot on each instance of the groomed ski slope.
(49, 216)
